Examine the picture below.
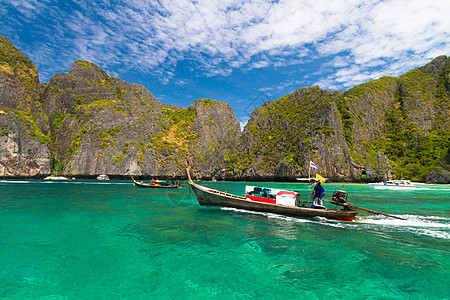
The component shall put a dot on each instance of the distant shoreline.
(137, 177)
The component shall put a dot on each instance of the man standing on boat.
(318, 194)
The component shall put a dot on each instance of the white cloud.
(153, 36)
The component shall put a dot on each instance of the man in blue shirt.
(317, 194)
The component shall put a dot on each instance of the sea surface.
(112, 240)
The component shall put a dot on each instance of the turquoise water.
(111, 240)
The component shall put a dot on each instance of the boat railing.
(230, 195)
(219, 192)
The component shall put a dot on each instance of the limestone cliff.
(385, 128)
(406, 119)
(217, 131)
(24, 150)
(85, 123)
(21, 153)
(101, 124)
(282, 136)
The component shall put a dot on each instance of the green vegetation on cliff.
(93, 123)
(283, 131)
(414, 142)
(409, 119)
(31, 127)
(177, 133)
(15, 64)
(405, 118)
(412, 153)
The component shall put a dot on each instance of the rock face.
(282, 136)
(24, 151)
(377, 130)
(85, 123)
(102, 124)
(407, 118)
(217, 130)
(95, 119)
(438, 176)
(21, 155)
(19, 79)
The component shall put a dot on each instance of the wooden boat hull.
(209, 197)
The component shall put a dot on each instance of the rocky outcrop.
(406, 117)
(24, 151)
(19, 81)
(98, 121)
(282, 136)
(375, 131)
(85, 123)
(377, 171)
(22, 154)
(102, 124)
(438, 176)
(217, 131)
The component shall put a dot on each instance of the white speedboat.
(56, 178)
(102, 177)
(393, 185)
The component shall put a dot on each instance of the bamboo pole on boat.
(309, 181)
(374, 212)
(365, 210)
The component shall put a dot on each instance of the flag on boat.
(312, 165)
(320, 178)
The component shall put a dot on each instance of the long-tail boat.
(286, 205)
(157, 184)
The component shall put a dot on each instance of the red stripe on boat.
(261, 199)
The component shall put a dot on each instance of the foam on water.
(411, 220)
(437, 227)
(433, 226)
(393, 188)
(15, 181)
(268, 215)
(429, 189)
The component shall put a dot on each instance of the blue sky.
(240, 52)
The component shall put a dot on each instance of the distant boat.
(56, 178)
(102, 177)
(157, 184)
(393, 185)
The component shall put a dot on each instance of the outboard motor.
(340, 197)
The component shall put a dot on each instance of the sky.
(240, 52)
